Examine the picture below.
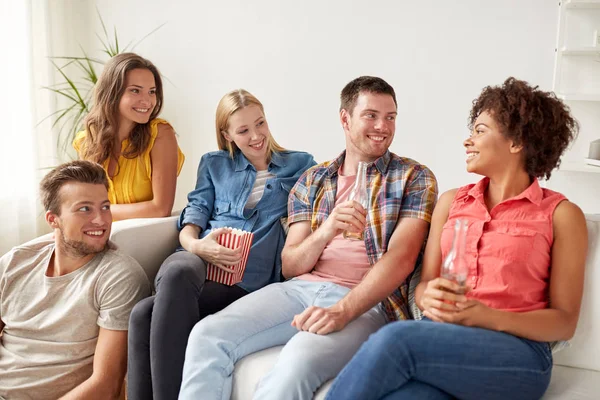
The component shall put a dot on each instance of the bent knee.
(141, 314)
(180, 274)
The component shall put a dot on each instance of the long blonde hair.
(229, 104)
(102, 123)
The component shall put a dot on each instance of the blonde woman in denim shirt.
(244, 185)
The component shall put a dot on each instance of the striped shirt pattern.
(397, 187)
(259, 188)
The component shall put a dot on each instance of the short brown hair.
(530, 117)
(369, 84)
(75, 171)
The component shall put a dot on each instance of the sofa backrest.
(584, 349)
(148, 240)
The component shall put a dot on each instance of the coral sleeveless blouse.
(508, 249)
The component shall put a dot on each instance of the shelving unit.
(576, 78)
(581, 51)
(573, 166)
(582, 4)
(577, 81)
(579, 97)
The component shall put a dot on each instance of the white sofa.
(576, 375)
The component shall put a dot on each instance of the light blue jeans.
(261, 320)
(425, 360)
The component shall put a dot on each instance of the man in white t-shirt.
(65, 302)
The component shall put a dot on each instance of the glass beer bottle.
(358, 194)
(455, 267)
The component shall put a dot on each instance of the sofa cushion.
(573, 384)
(566, 384)
(584, 349)
(148, 240)
(251, 368)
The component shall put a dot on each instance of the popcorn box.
(232, 240)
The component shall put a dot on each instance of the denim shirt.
(223, 186)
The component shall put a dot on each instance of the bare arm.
(432, 259)
(164, 180)
(558, 322)
(390, 271)
(386, 275)
(110, 365)
(302, 249)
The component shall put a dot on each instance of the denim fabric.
(261, 320)
(430, 360)
(223, 186)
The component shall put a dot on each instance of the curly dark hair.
(530, 117)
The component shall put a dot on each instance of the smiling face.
(139, 98)
(371, 127)
(248, 129)
(83, 226)
(488, 150)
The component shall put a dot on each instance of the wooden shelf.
(580, 51)
(578, 97)
(578, 166)
(582, 4)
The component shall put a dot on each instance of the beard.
(78, 248)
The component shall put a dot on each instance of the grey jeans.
(159, 326)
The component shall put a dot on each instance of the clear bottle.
(455, 267)
(358, 194)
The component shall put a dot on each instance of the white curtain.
(26, 147)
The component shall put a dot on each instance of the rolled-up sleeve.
(201, 199)
(420, 195)
(299, 205)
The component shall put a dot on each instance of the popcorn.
(232, 240)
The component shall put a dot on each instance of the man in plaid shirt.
(339, 291)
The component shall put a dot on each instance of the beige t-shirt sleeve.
(3, 263)
(122, 285)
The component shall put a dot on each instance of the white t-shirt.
(259, 188)
(52, 323)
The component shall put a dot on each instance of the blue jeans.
(260, 320)
(430, 360)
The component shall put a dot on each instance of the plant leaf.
(151, 32)
(64, 112)
(48, 116)
(61, 92)
(103, 26)
(75, 90)
(86, 58)
(116, 42)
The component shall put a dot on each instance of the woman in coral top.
(525, 254)
(138, 150)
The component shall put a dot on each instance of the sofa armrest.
(148, 240)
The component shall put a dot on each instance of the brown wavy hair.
(229, 104)
(530, 117)
(102, 123)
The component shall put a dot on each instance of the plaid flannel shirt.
(397, 187)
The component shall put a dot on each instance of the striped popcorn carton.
(232, 240)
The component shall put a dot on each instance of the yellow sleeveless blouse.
(133, 182)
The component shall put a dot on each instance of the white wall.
(296, 57)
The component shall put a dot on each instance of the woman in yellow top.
(138, 150)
